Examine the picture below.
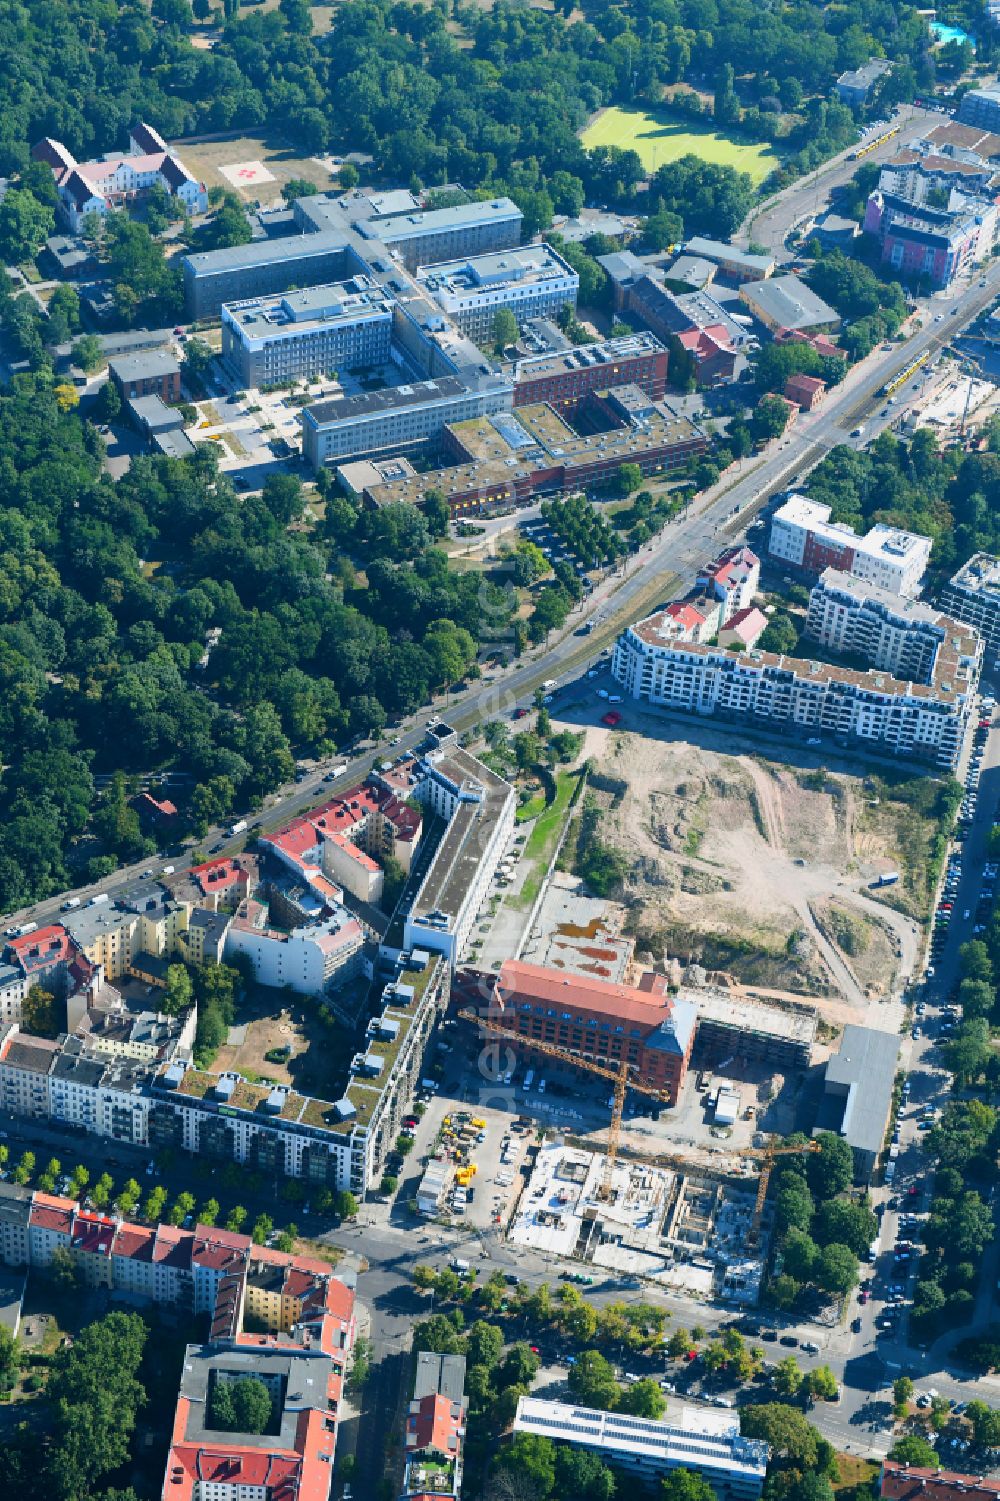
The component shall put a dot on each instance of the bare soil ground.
(755, 867)
(279, 1019)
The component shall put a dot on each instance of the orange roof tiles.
(51, 1213)
(913, 1483)
(436, 1424)
(533, 982)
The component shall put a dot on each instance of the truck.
(239, 827)
(24, 930)
(458, 1265)
(70, 904)
(887, 878)
(98, 900)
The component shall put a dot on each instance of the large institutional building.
(116, 181)
(922, 720)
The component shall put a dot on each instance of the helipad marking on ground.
(246, 174)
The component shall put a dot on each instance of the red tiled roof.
(913, 1483)
(51, 1213)
(808, 385)
(435, 1425)
(685, 614)
(50, 945)
(93, 1233)
(134, 1242)
(533, 982)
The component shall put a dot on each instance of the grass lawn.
(544, 837)
(853, 1470)
(663, 138)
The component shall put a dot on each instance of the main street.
(663, 569)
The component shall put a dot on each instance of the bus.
(529, 1078)
(906, 374)
(873, 144)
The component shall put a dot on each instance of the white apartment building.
(885, 630)
(14, 986)
(972, 595)
(733, 577)
(814, 700)
(707, 1442)
(270, 340)
(480, 808)
(532, 281)
(308, 960)
(803, 536)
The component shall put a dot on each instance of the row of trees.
(822, 1232)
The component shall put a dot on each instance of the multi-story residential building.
(25, 1063)
(479, 808)
(884, 630)
(318, 956)
(972, 595)
(340, 837)
(915, 721)
(654, 1031)
(531, 281)
(116, 181)
(276, 1130)
(926, 244)
(268, 341)
(901, 1482)
(14, 986)
(733, 577)
(341, 238)
(981, 107)
(399, 419)
(803, 537)
(646, 1450)
(435, 1429)
(857, 86)
(565, 379)
(15, 1215)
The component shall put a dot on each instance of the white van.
(541, 1086)
(458, 1265)
(529, 1078)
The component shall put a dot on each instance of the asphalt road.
(663, 569)
(771, 225)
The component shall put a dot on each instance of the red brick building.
(604, 1022)
(566, 378)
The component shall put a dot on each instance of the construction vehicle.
(623, 1080)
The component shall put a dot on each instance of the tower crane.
(620, 1075)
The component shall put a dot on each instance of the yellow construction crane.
(765, 1156)
(619, 1075)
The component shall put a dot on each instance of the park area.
(661, 138)
(289, 1039)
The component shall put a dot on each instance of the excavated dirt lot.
(752, 866)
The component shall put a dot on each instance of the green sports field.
(663, 138)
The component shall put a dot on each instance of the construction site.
(686, 1231)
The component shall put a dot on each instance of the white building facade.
(803, 536)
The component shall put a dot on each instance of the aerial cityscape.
(500, 779)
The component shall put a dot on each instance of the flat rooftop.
(393, 398)
(343, 302)
(303, 1374)
(456, 861)
(980, 575)
(794, 1022)
(788, 302)
(564, 362)
(697, 1439)
(481, 275)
